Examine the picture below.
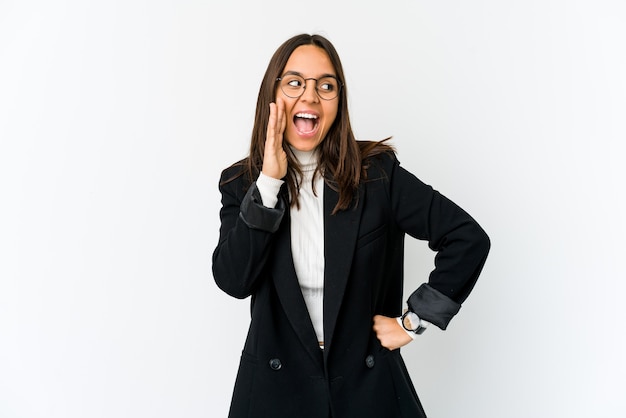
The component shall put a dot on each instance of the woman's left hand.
(390, 334)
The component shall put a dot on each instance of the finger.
(378, 325)
(281, 121)
(271, 123)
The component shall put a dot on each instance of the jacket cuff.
(433, 306)
(257, 216)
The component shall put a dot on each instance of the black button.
(369, 361)
(275, 364)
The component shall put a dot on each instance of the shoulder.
(378, 159)
(236, 177)
(235, 169)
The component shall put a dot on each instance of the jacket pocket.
(371, 236)
(242, 393)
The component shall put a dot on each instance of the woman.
(312, 227)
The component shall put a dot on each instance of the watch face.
(412, 320)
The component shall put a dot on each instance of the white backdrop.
(116, 118)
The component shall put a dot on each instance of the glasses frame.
(339, 86)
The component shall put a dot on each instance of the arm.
(246, 232)
(461, 245)
(247, 225)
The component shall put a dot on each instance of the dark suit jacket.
(283, 373)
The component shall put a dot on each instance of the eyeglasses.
(293, 85)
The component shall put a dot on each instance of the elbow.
(238, 270)
(481, 241)
(484, 242)
(229, 284)
(234, 291)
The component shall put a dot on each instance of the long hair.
(341, 157)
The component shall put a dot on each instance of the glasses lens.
(328, 88)
(292, 85)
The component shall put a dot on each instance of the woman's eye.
(294, 83)
(327, 87)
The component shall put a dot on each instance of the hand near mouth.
(274, 157)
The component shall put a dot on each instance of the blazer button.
(275, 364)
(369, 361)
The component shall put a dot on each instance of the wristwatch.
(412, 322)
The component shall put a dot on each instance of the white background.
(117, 117)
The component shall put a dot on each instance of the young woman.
(312, 227)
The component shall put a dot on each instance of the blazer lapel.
(340, 236)
(289, 293)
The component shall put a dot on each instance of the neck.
(307, 160)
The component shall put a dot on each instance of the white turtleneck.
(307, 234)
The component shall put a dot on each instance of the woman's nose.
(310, 92)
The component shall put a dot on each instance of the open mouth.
(305, 123)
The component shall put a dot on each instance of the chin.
(304, 144)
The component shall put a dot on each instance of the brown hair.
(341, 157)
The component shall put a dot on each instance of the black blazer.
(283, 373)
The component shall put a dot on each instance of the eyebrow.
(302, 75)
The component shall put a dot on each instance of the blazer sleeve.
(460, 243)
(246, 232)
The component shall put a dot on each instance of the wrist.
(409, 333)
(268, 189)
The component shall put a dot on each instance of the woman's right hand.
(274, 157)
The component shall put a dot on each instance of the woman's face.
(308, 117)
